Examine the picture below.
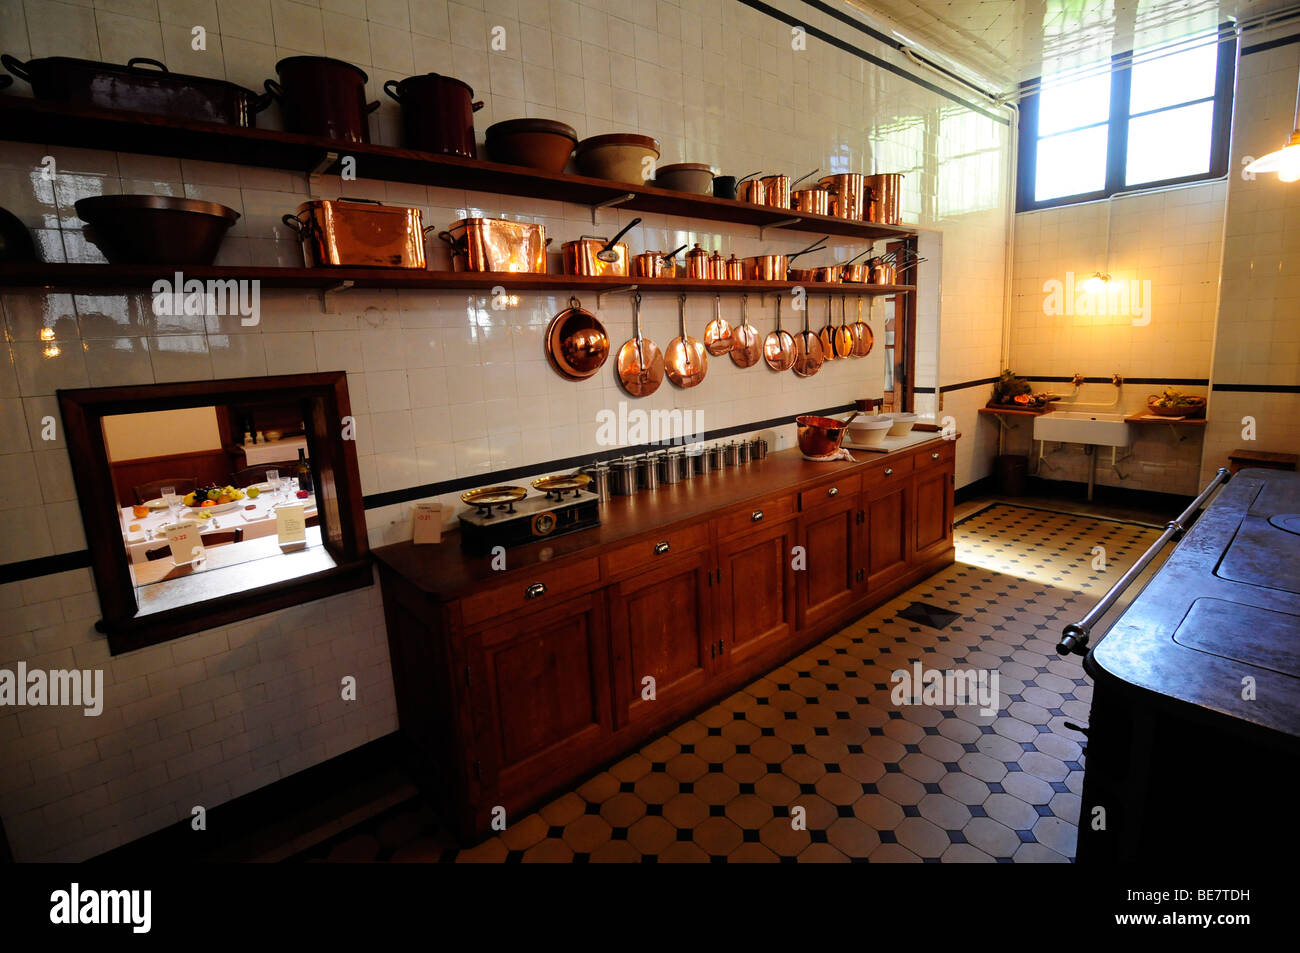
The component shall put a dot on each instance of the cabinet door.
(886, 533)
(932, 497)
(661, 627)
(830, 537)
(755, 599)
(540, 691)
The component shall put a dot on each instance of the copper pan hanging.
(747, 348)
(718, 335)
(863, 337)
(808, 357)
(640, 362)
(686, 361)
(576, 343)
(843, 334)
(778, 346)
(827, 333)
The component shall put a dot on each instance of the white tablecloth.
(255, 523)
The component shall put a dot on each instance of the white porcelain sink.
(1071, 426)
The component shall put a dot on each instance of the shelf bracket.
(622, 289)
(779, 223)
(313, 175)
(615, 202)
(327, 294)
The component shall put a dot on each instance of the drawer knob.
(756, 516)
(833, 491)
(535, 590)
(661, 548)
(935, 455)
(889, 471)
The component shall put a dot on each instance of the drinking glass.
(273, 478)
(169, 497)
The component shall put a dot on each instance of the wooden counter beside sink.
(513, 684)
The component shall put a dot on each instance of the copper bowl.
(819, 436)
(813, 201)
(765, 268)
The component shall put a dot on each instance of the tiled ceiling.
(1003, 42)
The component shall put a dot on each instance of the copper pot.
(820, 273)
(697, 263)
(764, 268)
(648, 264)
(886, 192)
(592, 256)
(848, 195)
(733, 269)
(855, 273)
(717, 266)
(883, 272)
(494, 244)
(358, 233)
(753, 191)
(813, 201)
(776, 191)
(820, 436)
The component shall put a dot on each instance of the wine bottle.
(303, 472)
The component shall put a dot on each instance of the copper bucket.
(886, 192)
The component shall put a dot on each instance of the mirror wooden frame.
(323, 398)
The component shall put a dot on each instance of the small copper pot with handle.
(813, 201)
(591, 256)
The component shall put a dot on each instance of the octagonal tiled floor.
(875, 781)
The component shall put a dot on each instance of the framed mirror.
(206, 502)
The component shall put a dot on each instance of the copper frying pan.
(808, 356)
(778, 346)
(843, 334)
(747, 348)
(686, 361)
(718, 338)
(576, 343)
(827, 334)
(640, 362)
(863, 337)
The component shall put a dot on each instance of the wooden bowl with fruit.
(1173, 403)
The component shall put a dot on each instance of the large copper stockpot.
(848, 195)
(886, 192)
(494, 244)
(358, 233)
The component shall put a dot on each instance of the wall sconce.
(1285, 161)
(1097, 283)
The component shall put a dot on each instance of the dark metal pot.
(437, 114)
(142, 85)
(320, 96)
(156, 229)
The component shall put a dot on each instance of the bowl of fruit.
(1174, 403)
(213, 499)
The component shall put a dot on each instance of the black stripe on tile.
(44, 566)
(1257, 388)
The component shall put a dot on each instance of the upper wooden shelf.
(73, 277)
(29, 120)
(1147, 418)
(1014, 411)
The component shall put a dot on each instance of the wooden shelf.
(74, 277)
(24, 119)
(1014, 412)
(1172, 421)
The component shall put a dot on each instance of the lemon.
(253, 492)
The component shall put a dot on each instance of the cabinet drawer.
(891, 470)
(938, 456)
(766, 511)
(832, 492)
(650, 550)
(540, 589)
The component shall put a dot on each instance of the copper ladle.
(808, 356)
(686, 361)
(778, 346)
(640, 362)
(747, 348)
(718, 338)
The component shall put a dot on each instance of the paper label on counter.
(185, 542)
(291, 525)
(426, 523)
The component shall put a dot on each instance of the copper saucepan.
(776, 189)
(812, 201)
(592, 256)
(853, 273)
(886, 192)
(775, 267)
(849, 195)
(653, 264)
(751, 189)
(820, 273)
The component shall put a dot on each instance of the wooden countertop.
(1225, 605)
(444, 571)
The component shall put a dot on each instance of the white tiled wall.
(442, 385)
(1258, 336)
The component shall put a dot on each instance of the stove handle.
(1074, 637)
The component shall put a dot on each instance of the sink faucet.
(1077, 380)
(1117, 380)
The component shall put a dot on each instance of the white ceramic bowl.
(870, 431)
(902, 425)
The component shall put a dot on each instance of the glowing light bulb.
(1096, 283)
(1288, 167)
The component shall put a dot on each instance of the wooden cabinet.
(832, 578)
(661, 626)
(539, 690)
(754, 592)
(517, 684)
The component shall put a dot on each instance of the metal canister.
(716, 460)
(717, 265)
(757, 448)
(732, 269)
(697, 263)
(599, 473)
(647, 477)
(672, 467)
(622, 477)
(698, 460)
(742, 452)
(730, 456)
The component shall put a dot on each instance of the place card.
(185, 542)
(291, 527)
(426, 523)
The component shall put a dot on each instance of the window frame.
(1117, 133)
(324, 401)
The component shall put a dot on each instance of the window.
(192, 527)
(1150, 117)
